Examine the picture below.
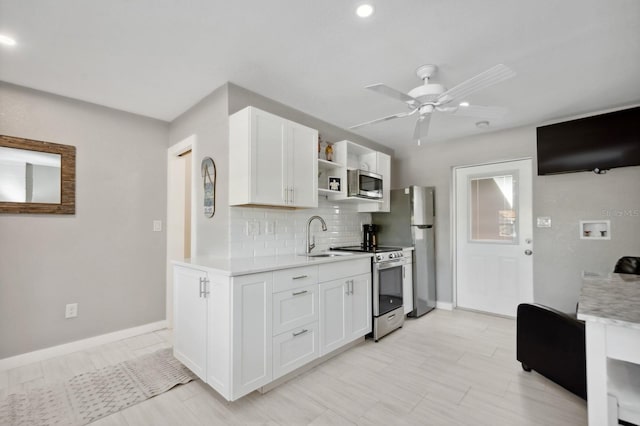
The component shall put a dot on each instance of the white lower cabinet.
(345, 311)
(224, 336)
(295, 348)
(190, 321)
(240, 333)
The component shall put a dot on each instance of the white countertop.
(253, 265)
(612, 299)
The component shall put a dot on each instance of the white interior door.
(494, 232)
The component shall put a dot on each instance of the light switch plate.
(544, 222)
(157, 225)
(270, 227)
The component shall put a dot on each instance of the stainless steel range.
(387, 270)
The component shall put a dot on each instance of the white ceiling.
(159, 57)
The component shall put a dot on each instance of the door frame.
(454, 222)
(175, 211)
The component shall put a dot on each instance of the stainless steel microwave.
(364, 184)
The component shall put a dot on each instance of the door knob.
(528, 252)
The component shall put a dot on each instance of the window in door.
(493, 209)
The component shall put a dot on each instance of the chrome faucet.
(311, 244)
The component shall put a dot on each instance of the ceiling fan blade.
(393, 93)
(481, 111)
(387, 118)
(422, 128)
(493, 75)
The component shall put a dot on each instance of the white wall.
(559, 254)
(106, 257)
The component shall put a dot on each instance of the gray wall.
(105, 257)
(208, 120)
(240, 98)
(560, 255)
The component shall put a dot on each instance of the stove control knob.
(401, 254)
(379, 257)
(392, 255)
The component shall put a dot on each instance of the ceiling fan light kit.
(431, 97)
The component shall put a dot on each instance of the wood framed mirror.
(37, 176)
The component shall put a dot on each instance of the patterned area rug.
(87, 397)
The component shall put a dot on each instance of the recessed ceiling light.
(482, 124)
(7, 40)
(464, 104)
(364, 10)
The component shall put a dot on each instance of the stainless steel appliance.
(387, 266)
(364, 184)
(411, 223)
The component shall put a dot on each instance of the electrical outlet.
(71, 310)
(270, 227)
(157, 225)
(253, 228)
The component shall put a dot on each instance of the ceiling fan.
(430, 97)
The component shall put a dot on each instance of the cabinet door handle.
(304, 330)
(286, 195)
(292, 194)
(351, 286)
(203, 287)
(298, 292)
(404, 272)
(200, 288)
(390, 317)
(299, 277)
(348, 283)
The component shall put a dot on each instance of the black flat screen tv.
(596, 143)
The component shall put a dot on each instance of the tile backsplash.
(257, 231)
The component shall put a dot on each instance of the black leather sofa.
(553, 344)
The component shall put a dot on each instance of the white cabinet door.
(268, 159)
(252, 336)
(359, 303)
(302, 147)
(190, 320)
(333, 315)
(274, 160)
(407, 288)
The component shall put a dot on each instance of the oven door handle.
(388, 264)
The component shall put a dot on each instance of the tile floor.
(446, 368)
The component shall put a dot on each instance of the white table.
(610, 306)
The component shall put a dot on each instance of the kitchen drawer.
(287, 279)
(347, 268)
(295, 348)
(294, 308)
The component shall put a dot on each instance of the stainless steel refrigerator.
(411, 223)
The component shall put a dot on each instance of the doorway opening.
(180, 211)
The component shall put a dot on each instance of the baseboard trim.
(78, 345)
(444, 305)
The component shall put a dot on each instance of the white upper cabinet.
(272, 161)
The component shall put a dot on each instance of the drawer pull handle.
(300, 332)
(298, 292)
(299, 277)
(390, 317)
